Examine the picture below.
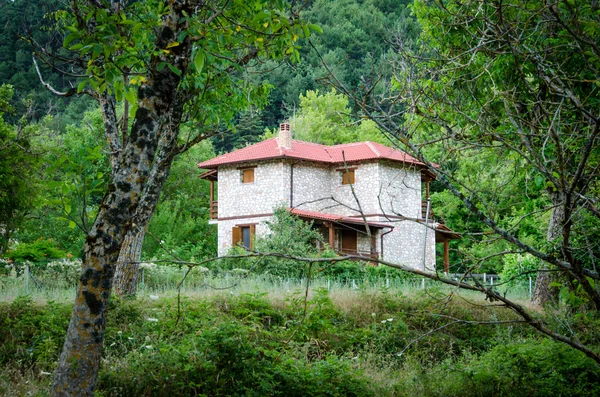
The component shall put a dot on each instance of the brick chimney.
(285, 136)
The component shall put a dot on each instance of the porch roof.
(335, 218)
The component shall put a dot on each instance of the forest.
(110, 284)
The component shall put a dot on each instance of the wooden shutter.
(248, 175)
(252, 232)
(348, 177)
(236, 235)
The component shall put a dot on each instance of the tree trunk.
(158, 106)
(543, 294)
(128, 267)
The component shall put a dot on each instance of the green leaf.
(199, 61)
(174, 69)
(130, 95)
(72, 225)
(81, 86)
(70, 37)
(316, 28)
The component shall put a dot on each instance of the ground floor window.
(243, 235)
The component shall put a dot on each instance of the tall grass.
(59, 285)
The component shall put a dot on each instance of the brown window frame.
(247, 172)
(348, 175)
(237, 235)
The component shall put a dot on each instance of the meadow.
(238, 333)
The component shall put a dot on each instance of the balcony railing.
(214, 209)
(424, 210)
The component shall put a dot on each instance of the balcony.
(424, 211)
(214, 209)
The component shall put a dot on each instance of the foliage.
(519, 267)
(355, 40)
(330, 345)
(39, 250)
(326, 119)
(18, 164)
(180, 224)
(289, 235)
(530, 367)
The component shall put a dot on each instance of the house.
(365, 198)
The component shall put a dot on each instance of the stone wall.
(366, 186)
(400, 190)
(260, 197)
(404, 245)
(312, 186)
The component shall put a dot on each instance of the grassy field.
(259, 338)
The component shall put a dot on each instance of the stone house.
(365, 198)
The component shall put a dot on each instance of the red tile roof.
(334, 218)
(270, 149)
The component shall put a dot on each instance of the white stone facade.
(388, 192)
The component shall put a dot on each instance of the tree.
(327, 119)
(169, 63)
(512, 83)
(18, 163)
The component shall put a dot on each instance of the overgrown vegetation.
(347, 343)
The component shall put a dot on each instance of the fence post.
(484, 277)
(529, 287)
(27, 277)
(492, 281)
(354, 284)
(143, 284)
(423, 283)
(328, 284)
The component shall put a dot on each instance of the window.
(348, 176)
(243, 235)
(247, 175)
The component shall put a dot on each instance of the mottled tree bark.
(157, 104)
(543, 294)
(127, 267)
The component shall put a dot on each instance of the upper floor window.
(347, 176)
(247, 175)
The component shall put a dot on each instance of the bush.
(39, 250)
(291, 236)
(517, 264)
(32, 335)
(527, 368)
(227, 361)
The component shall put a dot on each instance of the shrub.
(39, 250)
(527, 368)
(227, 361)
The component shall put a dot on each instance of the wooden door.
(348, 241)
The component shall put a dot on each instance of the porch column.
(329, 225)
(446, 256)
